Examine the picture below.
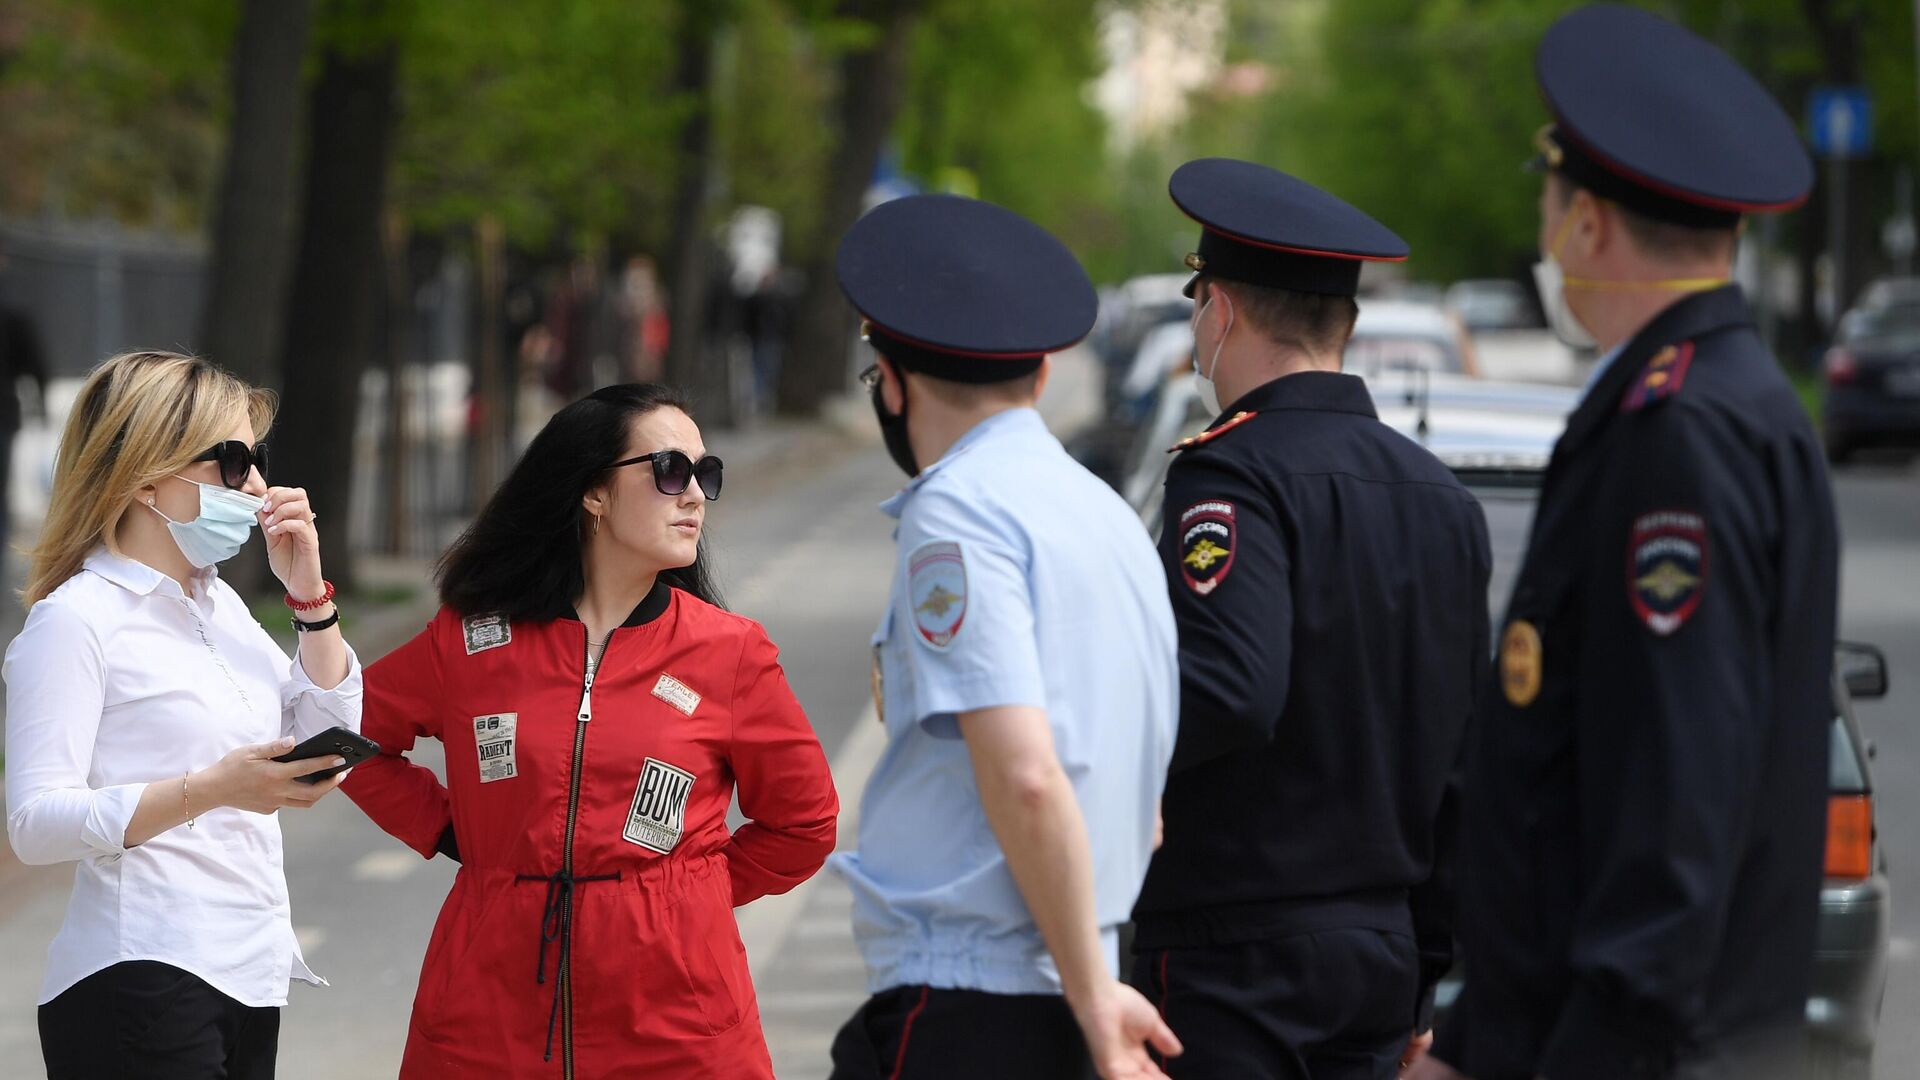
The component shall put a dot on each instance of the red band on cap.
(1658, 187)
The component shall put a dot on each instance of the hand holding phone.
(332, 742)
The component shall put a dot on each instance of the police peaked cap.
(1263, 227)
(1660, 120)
(961, 289)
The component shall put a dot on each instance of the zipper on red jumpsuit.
(581, 719)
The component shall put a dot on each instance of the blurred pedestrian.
(1647, 796)
(21, 357)
(599, 710)
(643, 310)
(1024, 670)
(1329, 579)
(143, 705)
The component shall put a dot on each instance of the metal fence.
(94, 290)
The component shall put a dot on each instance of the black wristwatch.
(310, 627)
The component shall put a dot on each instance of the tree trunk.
(872, 89)
(689, 361)
(253, 222)
(333, 317)
(491, 377)
(1836, 33)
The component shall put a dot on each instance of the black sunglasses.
(673, 471)
(237, 459)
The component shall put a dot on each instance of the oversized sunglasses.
(237, 459)
(673, 471)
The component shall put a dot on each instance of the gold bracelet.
(184, 805)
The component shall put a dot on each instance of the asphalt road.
(1880, 604)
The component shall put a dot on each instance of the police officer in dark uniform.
(1329, 582)
(1646, 791)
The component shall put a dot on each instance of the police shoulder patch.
(1666, 568)
(1206, 544)
(1660, 379)
(1213, 433)
(937, 592)
(485, 632)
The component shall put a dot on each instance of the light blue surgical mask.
(226, 520)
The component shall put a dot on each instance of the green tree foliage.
(997, 107)
(1421, 111)
(114, 108)
(547, 113)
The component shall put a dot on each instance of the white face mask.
(1203, 381)
(225, 522)
(1552, 283)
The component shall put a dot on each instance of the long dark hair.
(521, 557)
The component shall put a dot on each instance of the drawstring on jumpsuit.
(556, 927)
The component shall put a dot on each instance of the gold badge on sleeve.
(1520, 662)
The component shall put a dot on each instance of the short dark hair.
(1309, 322)
(521, 556)
(1665, 239)
(961, 395)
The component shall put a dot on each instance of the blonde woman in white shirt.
(144, 704)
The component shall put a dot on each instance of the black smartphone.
(351, 745)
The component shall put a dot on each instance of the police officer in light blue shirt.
(1026, 673)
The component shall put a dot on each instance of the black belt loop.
(555, 926)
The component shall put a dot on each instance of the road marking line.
(309, 938)
(767, 924)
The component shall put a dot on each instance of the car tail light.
(1841, 366)
(1849, 836)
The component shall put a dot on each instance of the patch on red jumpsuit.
(676, 693)
(1206, 544)
(485, 632)
(1667, 568)
(659, 811)
(937, 590)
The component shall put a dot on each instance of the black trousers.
(920, 1033)
(144, 1020)
(1326, 1005)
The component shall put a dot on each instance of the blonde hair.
(140, 417)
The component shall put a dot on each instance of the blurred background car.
(1394, 334)
(1889, 292)
(1493, 304)
(1873, 378)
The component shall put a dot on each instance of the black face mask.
(893, 432)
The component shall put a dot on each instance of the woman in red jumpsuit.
(599, 710)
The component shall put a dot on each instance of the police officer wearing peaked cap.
(1025, 673)
(1329, 578)
(1646, 796)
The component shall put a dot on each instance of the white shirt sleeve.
(56, 688)
(307, 710)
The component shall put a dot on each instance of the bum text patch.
(659, 811)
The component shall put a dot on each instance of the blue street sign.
(1840, 121)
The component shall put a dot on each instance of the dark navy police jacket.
(1329, 580)
(1644, 810)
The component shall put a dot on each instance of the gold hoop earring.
(596, 524)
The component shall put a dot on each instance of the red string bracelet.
(325, 598)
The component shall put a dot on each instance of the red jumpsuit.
(590, 931)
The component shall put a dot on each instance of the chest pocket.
(893, 689)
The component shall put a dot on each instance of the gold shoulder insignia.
(1660, 379)
(1212, 433)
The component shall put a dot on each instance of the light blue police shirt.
(1020, 579)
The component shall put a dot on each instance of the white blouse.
(119, 680)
